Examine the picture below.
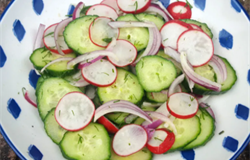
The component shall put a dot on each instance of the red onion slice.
(196, 78)
(58, 29)
(163, 8)
(55, 61)
(154, 8)
(77, 10)
(219, 67)
(150, 132)
(208, 108)
(121, 24)
(27, 97)
(172, 53)
(175, 83)
(121, 106)
(86, 64)
(39, 37)
(154, 124)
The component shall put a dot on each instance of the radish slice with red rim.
(39, 36)
(111, 127)
(133, 6)
(156, 9)
(113, 4)
(172, 53)
(174, 87)
(182, 105)
(74, 111)
(194, 26)
(198, 46)
(102, 10)
(101, 33)
(171, 31)
(161, 141)
(77, 10)
(49, 40)
(126, 53)
(179, 10)
(101, 73)
(129, 139)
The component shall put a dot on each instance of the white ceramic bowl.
(22, 127)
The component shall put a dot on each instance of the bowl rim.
(20, 155)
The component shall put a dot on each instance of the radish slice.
(111, 127)
(180, 10)
(198, 46)
(219, 67)
(171, 31)
(121, 106)
(27, 97)
(49, 40)
(102, 10)
(194, 26)
(113, 4)
(101, 33)
(129, 139)
(101, 73)
(133, 6)
(154, 8)
(74, 111)
(126, 53)
(122, 24)
(174, 88)
(55, 61)
(161, 141)
(39, 36)
(182, 105)
(77, 10)
(196, 78)
(172, 53)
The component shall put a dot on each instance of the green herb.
(68, 15)
(51, 33)
(192, 99)
(44, 49)
(24, 91)
(126, 77)
(116, 101)
(94, 136)
(128, 36)
(73, 112)
(47, 55)
(118, 116)
(136, 6)
(135, 97)
(161, 64)
(145, 151)
(142, 64)
(96, 128)
(190, 6)
(59, 112)
(189, 105)
(107, 40)
(130, 97)
(113, 71)
(105, 73)
(165, 39)
(101, 60)
(221, 132)
(46, 61)
(129, 144)
(80, 139)
(158, 75)
(137, 43)
(156, 138)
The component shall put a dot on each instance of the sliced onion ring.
(196, 78)
(172, 53)
(55, 61)
(175, 84)
(154, 124)
(39, 37)
(77, 10)
(163, 8)
(219, 67)
(121, 106)
(27, 97)
(58, 29)
(208, 108)
(154, 8)
(86, 64)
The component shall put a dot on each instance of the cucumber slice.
(50, 92)
(42, 56)
(203, 26)
(143, 154)
(207, 130)
(157, 97)
(126, 87)
(156, 19)
(118, 117)
(138, 36)
(76, 35)
(90, 143)
(52, 128)
(155, 73)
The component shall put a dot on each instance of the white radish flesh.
(133, 6)
(102, 10)
(158, 137)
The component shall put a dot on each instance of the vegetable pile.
(128, 79)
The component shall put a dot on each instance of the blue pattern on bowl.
(3, 57)
(230, 144)
(201, 4)
(226, 39)
(18, 30)
(236, 6)
(35, 153)
(188, 154)
(33, 78)
(13, 108)
(71, 10)
(38, 6)
(242, 112)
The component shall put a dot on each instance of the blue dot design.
(236, 6)
(18, 30)
(38, 6)
(242, 112)
(201, 4)
(226, 39)
(35, 153)
(165, 3)
(13, 108)
(71, 10)
(248, 76)
(33, 78)
(3, 57)
(188, 154)
(230, 144)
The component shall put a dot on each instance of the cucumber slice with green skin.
(42, 56)
(157, 97)
(118, 117)
(207, 130)
(155, 73)
(76, 35)
(138, 36)
(50, 92)
(52, 128)
(126, 87)
(146, 17)
(203, 26)
(187, 129)
(143, 154)
(92, 142)
(139, 120)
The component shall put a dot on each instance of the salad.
(127, 80)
